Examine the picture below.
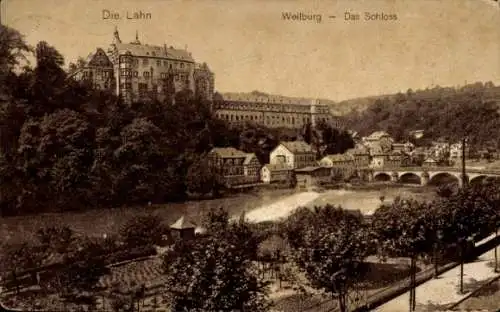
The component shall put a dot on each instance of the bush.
(145, 230)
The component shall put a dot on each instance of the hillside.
(471, 110)
(362, 103)
(357, 104)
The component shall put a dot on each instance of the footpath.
(444, 292)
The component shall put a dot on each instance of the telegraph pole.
(464, 177)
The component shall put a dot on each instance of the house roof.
(377, 135)
(376, 150)
(308, 169)
(182, 223)
(352, 133)
(165, 52)
(228, 152)
(357, 151)
(340, 157)
(277, 167)
(248, 158)
(297, 146)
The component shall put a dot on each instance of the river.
(262, 205)
(366, 201)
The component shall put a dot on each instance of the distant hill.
(471, 110)
(357, 104)
(360, 104)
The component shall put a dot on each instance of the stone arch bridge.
(433, 175)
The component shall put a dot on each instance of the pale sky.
(249, 46)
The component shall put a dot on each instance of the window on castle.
(145, 74)
(182, 65)
(136, 73)
(164, 63)
(143, 88)
(145, 61)
(158, 63)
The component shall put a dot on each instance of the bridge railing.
(452, 169)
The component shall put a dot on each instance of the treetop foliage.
(449, 113)
(66, 146)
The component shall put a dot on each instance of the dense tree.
(442, 112)
(200, 178)
(143, 231)
(56, 239)
(83, 267)
(325, 139)
(12, 51)
(405, 228)
(329, 245)
(215, 271)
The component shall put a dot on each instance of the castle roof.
(145, 50)
(260, 97)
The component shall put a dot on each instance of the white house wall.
(280, 150)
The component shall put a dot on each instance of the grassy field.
(97, 222)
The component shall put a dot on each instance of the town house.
(228, 164)
(308, 177)
(251, 168)
(361, 156)
(276, 173)
(295, 154)
(379, 139)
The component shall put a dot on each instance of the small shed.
(312, 176)
(183, 229)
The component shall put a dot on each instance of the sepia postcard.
(249, 155)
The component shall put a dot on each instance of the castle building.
(137, 71)
(273, 111)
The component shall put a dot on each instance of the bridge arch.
(410, 178)
(441, 178)
(480, 179)
(382, 177)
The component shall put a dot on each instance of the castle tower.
(116, 36)
(136, 38)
